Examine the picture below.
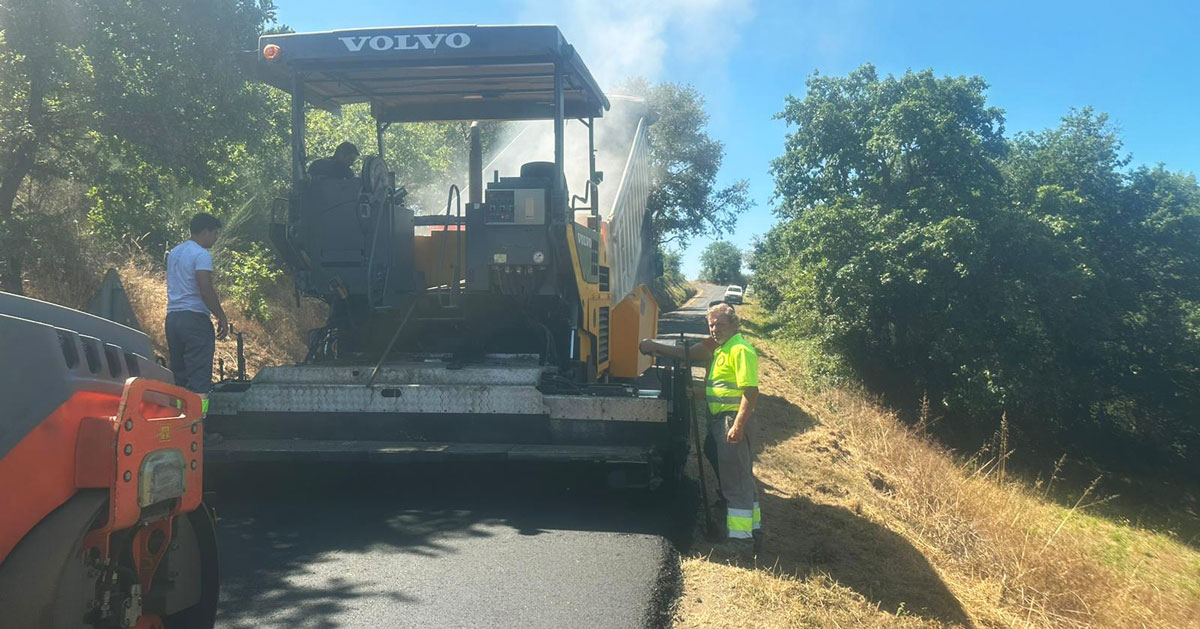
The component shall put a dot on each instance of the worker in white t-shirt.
(191, 301)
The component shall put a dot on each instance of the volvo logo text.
(422, 41)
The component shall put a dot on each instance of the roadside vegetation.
(981, 364)
(872, 523)
(672, 290)
(1037, 279)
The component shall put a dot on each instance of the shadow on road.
(278, 527)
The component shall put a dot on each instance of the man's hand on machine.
(648, 347)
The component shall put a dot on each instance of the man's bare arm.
(699, 353)
(209, 295)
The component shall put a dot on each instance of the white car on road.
(733, 294)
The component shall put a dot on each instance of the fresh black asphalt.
(450, 545)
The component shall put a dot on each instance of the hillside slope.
(278, 340)
(869, 523)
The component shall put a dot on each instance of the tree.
(721, 263)
(41, 109)
(148, 86)
(1034, 277)
(685, 201)
(909, 142)
(672, 266)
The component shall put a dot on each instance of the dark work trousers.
(734, 465)
(191, 343)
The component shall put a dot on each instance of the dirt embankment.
(671, 295)
(279, 340)
(869, 523)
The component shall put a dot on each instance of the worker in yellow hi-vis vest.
(731, 390)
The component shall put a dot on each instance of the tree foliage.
(1036, 277)
(685, 200)
(251, 274)
(119, 121)
(133, 98)
(721, 263)
(672, 266)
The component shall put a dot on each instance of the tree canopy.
(685, 200)
(124, 119)
(721, 263)
(118, 98)
(1035, 277)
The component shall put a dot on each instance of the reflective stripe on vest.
(723, 398)
(723, 394)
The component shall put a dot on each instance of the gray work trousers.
(734, 464)
(191, 344)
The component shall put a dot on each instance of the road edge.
(667, 588)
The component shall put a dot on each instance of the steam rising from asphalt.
(617, 39)
(624, 38)
(534, 142)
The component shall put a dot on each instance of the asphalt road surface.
(689, 319)
(450, 545)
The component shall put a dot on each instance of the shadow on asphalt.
(276, 522)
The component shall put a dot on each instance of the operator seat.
(545, 171)
(333, 230)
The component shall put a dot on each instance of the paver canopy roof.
(411, 74)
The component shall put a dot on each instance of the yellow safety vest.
(734, 367)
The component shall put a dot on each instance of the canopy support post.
(298, 153)
(560, 195)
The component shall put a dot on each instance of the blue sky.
(1137, 61)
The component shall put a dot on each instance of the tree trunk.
(19, 162)
(12, 275)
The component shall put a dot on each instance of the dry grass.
(870, 523)
(719, 594)
(671, 295)
(279, 341)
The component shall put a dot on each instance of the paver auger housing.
(503, 327)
